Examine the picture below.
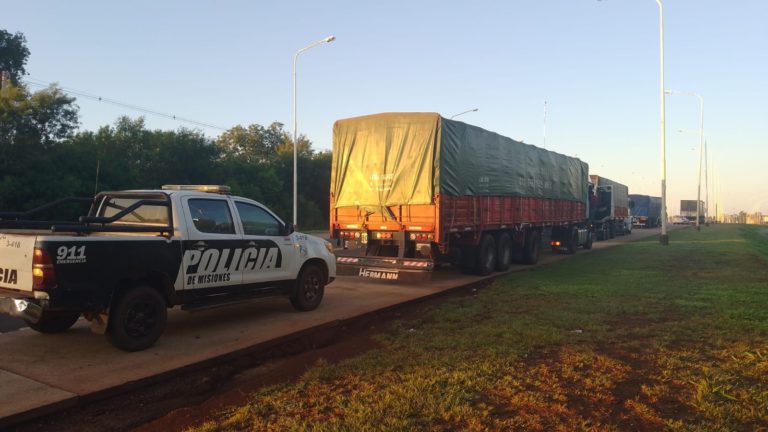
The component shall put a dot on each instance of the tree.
(254, 143)
(286, 147)
(31, 126)
(13, 54)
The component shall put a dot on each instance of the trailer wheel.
(531, 249)
(573, 241)
(309, 289)
(503, 252)
(487, 257)
(54, 322)
(137, 319)
(588, 243)
(468, 259)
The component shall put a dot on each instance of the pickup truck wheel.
(503, 252)
(54, 322)
(531, 248)
(487, 256)
(138, 319)
(309, 288)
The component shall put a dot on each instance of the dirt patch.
(237, 389)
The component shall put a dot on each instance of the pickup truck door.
(212, 249)
(271, 255)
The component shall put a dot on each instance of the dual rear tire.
(494, 253)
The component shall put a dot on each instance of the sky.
(595, 63)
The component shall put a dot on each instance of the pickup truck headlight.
(328, 246)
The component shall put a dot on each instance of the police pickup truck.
(138, 253)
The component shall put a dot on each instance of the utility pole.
(545, 123)
(706, 185)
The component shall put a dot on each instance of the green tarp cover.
(405, 158)
(620, 191)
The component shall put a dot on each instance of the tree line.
(44, 156)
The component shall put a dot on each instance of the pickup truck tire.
(309, 288)
(503, 252)
(54, 322)
(137, 319)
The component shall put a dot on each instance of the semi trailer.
(646, 212)
(610, 215)
(411, 191)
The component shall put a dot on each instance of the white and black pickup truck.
(138, 253)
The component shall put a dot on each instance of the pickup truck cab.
(138, 253)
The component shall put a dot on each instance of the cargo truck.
(410, 191)
(610, 214)
(646, 212)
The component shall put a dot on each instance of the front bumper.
(21, 308)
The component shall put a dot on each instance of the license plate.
(379, 274)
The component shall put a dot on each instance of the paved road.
(42, 372)
(8, 324)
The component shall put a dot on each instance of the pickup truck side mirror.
(288, 229)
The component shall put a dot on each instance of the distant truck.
(610, 215)
(646, 212)
(138, 253)
(689, 210)
(410, 191)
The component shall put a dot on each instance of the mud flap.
(98, 322)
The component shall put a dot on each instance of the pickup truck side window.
(256, 220)
(211, 216)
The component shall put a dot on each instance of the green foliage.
(13, 54)
(254, 143)
(31, 127)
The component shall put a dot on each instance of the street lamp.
(295, 130)
(464, 112)
(664, 239)
(701, 148)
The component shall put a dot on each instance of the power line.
(98, 98)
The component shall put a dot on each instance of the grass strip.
(635, 337)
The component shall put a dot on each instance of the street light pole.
(464, 112)
(664, 239)
(701, 149)
(706, 184)
(295, 130)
